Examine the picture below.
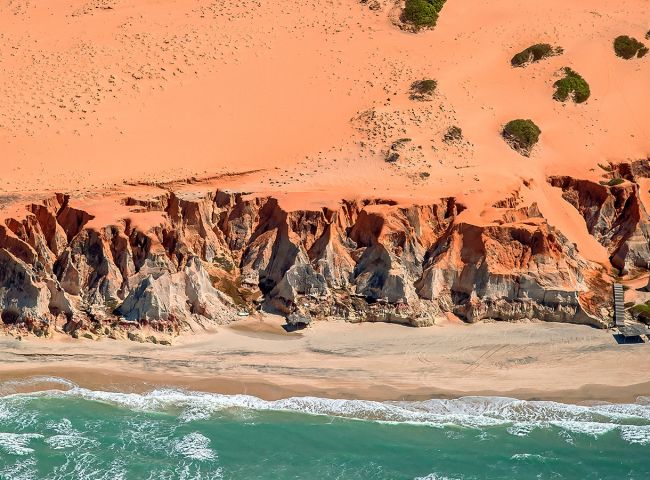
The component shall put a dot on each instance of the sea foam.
(520, 417)
(17, 443)
(194, 446)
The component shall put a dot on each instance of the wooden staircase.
(619, 305)
(631, 329)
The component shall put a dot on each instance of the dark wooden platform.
(634, 330)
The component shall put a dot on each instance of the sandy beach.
(531, 360)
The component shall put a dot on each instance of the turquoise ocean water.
(69, 432)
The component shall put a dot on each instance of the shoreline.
(383, 362)
(28, 380)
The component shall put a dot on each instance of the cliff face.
(210, 255)
(510, 272)
(614, 213)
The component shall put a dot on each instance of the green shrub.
(647, 35)
(572, 85)
(628, 47)
(612, 182)
(535, 53)
(423, 89)
(641, 311)
(422, 13)
(522, 135)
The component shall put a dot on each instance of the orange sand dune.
(310, 95)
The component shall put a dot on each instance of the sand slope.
(97, 91)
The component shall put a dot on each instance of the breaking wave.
(520, 417)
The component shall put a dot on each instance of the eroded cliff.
(202, 257)
(614, 212)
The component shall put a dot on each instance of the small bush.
(423, 89)
(647, 35)
(224, 262)
(453, 134)
(535, 53)
(393, 153)
(612, 182)
(522, 135)
(641, 311)
(628, 47)
(572, 85)
(422, 13)
(399, 142)
(392, 157)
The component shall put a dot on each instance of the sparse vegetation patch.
(571, 86)
(521, 135)
(224, 262)
(392, 156)
(422, 13)
(393, 153)
(453, 134)
(423, 90)
(628, 47)
(399, 142)
(641, 312)
(535, 53)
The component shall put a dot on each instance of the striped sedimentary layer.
(209, 255)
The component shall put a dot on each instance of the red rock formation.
(614, 214)
(510, 271)
(365, 260)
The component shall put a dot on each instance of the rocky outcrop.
(176, 296)
(22, 295)
(614, 213)
(214, 253)
(509, 272)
